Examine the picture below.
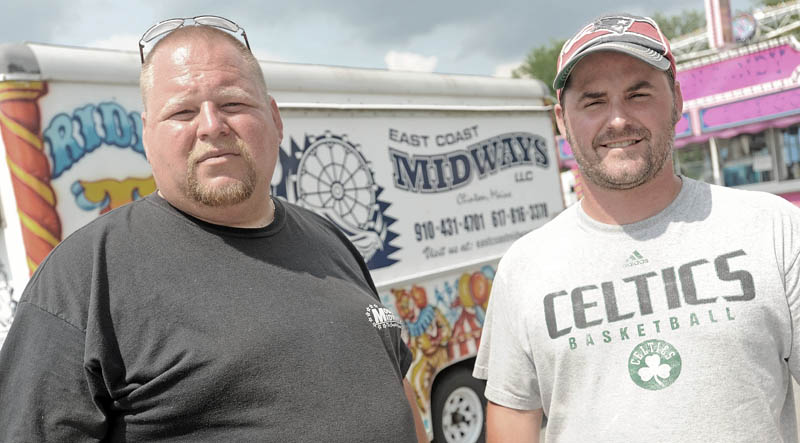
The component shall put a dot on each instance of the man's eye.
(640, 95)
(232, 107)
(183, 114)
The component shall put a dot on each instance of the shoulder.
(327, 238)
(63, 281)
(309, 221)
(116, 222)
(321, 230)
(106, 224)
(742, 200)
(297, 213)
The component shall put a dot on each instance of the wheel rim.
(462, 416)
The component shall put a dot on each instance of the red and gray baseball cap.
(636, 36)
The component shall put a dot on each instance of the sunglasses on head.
(167, 26)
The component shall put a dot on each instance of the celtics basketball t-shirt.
(681, 327)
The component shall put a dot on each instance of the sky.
(456, 37)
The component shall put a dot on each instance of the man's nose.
(212, 122)
(620, 116)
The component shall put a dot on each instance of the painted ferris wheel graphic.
(334, 176)
(330, 176)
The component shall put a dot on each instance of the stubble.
(226, 194)
(658, 150)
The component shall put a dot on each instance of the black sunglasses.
(172, 24)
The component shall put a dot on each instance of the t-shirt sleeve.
(399, 348)
(44, 387)
(404, 356)
(504, 358)
(788, 249)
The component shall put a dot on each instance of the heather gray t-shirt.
(681, 327)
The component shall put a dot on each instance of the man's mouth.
(216, 155)
(621, 144)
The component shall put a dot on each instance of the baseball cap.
(639, 37)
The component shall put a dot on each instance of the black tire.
(459, 408)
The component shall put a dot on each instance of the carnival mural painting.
(108, 194)
(429, 333)
(443, 323)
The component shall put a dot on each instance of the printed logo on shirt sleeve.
(382, 318)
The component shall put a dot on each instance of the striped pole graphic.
(20, 127)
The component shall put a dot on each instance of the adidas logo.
(635, 259)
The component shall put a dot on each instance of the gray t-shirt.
(681, 327)
(148, 325)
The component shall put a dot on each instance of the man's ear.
(559, 111)
(276, 116)
(678, 98)
(144, 126)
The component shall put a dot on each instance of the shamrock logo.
(654, 364)
(654, 369)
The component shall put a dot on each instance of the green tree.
(540, 62)
(770, 2)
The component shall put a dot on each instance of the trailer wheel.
(459, 408)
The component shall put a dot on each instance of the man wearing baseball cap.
(658, 308)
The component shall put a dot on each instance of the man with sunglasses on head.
(207, 311)
(658, 308)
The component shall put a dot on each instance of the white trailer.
(431, 176)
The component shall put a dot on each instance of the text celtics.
(721, 284)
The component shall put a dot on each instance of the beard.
(645, 166)
(226, 194)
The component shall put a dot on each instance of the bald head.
(208, 35)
